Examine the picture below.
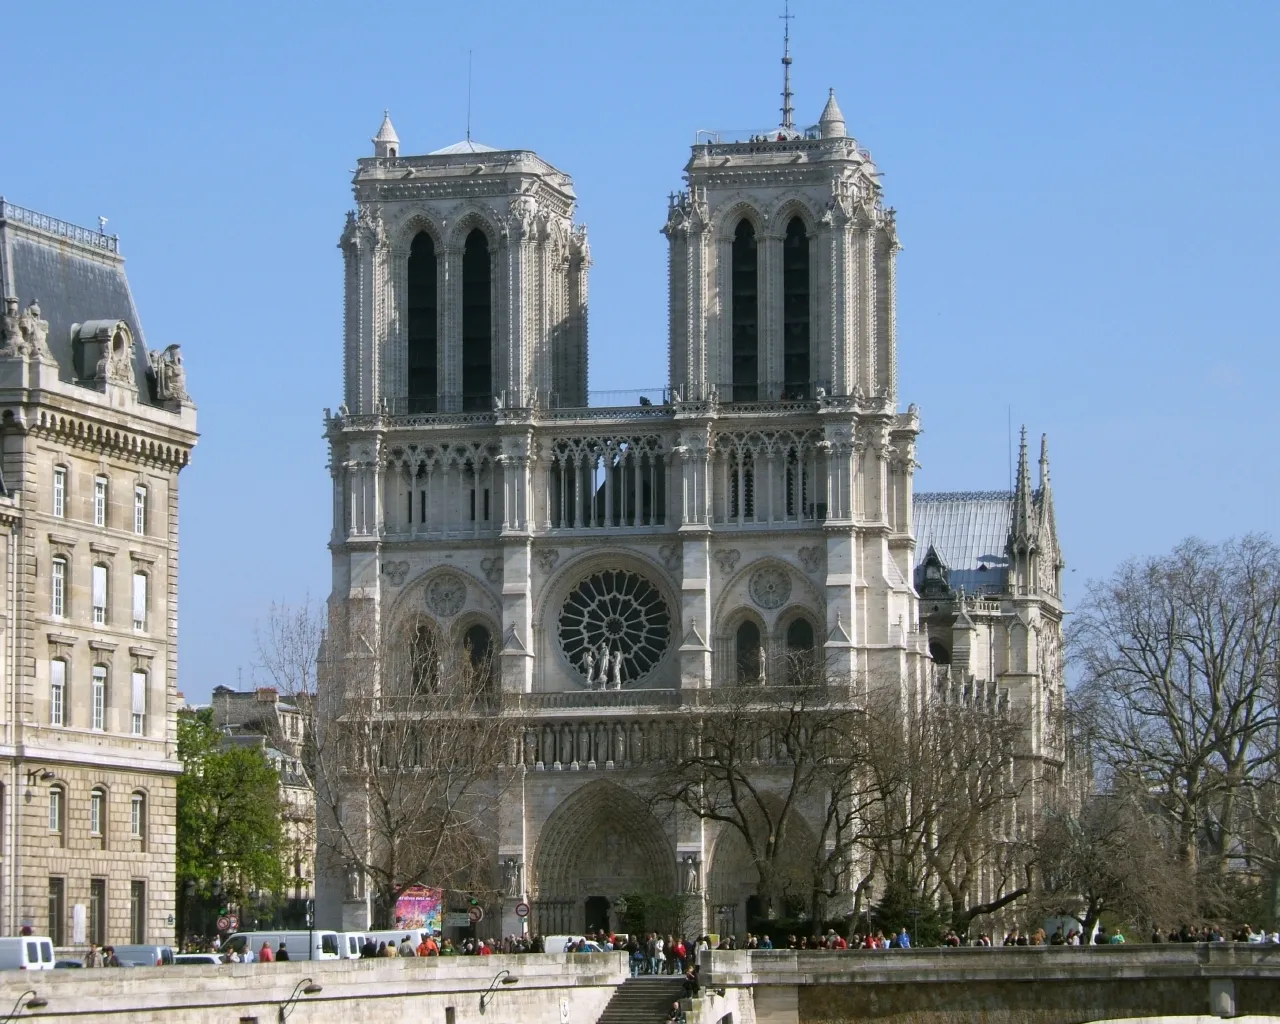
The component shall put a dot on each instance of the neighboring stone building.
(95, 430)
(264, 718)
(613, 559)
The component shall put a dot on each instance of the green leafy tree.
(229, 815)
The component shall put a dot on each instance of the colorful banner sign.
(419, 906)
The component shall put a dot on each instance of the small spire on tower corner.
(386, 142)
(831, 122)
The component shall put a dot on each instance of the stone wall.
(551, 989)
(1041, 985)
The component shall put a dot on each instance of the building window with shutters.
(137, 912)
(60, 492)
(58, 588)
(99, 595)
(139, 602)
(140, 510)
(58, 911)
(98, 911)
(138, 818)
(57, 809)
(99, 501)
(98, 717)
(98, 813)
(139, 705)
(57, 692)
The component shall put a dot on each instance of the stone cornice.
(104, 431)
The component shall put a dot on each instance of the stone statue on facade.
(23, 334)
(511, 878)
(589, 664)
(353, 882)
(171, 376)
(760, 664)
(12, 343)
(602, 661)
(692, 881)
(615, 670)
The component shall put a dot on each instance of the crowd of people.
(655, 954)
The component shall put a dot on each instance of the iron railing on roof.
(61, 228)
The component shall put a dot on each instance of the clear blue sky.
(1086, 194)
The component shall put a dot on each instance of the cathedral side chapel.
(610, 560)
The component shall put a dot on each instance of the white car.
(206, 959)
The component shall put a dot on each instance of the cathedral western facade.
(612, 560)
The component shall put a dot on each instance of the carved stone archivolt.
(446, 593)
(770, 587)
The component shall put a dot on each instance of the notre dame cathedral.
(612, 559)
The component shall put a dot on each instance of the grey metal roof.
(969, 530)
(76, 275)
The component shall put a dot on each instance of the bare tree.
(1112, 855)
(948, 781)
(768, 762)
(1179, 655)
(408, 735)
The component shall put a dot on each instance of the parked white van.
(26, 953)
(302, 945)
(350, 943)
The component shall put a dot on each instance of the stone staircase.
(643, 1001)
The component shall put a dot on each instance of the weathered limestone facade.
(617, 560)
(94, 430)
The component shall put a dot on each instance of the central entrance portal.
(597, 913)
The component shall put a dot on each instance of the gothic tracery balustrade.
(768, 476)
(606, 481)
(438, 490)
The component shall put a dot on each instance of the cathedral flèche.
(609, 561)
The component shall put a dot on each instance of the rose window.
(614, 612)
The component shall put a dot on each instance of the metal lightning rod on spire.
(787, 17)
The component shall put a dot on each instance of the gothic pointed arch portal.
(733, 879)
(599, 844)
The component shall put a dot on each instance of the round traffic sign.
(522, 910)
(224, 924)
(476, 914)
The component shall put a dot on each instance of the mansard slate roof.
(968, 530)
(76, 275)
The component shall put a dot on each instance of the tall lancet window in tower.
(422, 324)
(477, 324)
(795, 312)
(746, 314)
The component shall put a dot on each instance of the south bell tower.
(781, 287)
(782, 268)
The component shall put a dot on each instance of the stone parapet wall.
(1037, 985)
(551, 989)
